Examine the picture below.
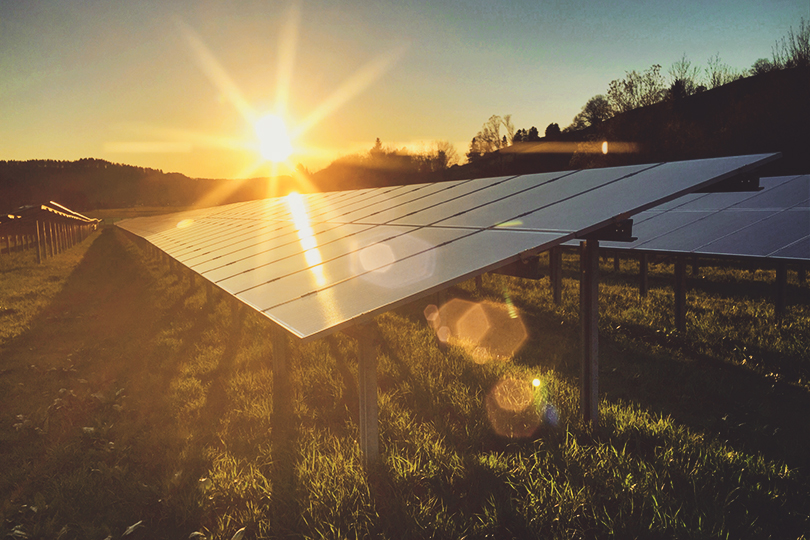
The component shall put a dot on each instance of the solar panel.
(319, 262)
(773, 222)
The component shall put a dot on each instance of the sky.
(178, 85)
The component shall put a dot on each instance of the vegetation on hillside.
(90, 184)
(383, 166)
(131, 401)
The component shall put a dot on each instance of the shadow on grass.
(753, 412)
(755, 408)
(97, 389)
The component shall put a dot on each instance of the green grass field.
(129, 397)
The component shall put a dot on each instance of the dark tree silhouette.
(636, 90)
(596, 110)
(552, 131)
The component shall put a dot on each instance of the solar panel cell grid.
(770, 222)
(314, 263)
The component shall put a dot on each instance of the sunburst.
(276, 139)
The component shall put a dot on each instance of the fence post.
(52, 239)
(39, 242)
(680, 293)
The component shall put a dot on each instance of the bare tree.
(489, 139)
(636, 90)
(794, 49)
(719, 73)
(510, 128)
(683, 78)
(442, 155)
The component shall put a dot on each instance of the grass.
(128, 395)
(110, 215)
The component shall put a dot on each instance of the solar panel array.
(773, 223)
(319, 262)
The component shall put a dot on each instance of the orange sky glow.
(179, 86)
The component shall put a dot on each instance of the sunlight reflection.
(185, 223)
(514, 223)
(486, 330)
(306, 236)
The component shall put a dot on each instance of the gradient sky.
(175, 85)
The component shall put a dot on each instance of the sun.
(274, 140)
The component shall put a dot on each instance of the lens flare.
(486, 330)
(510, 409)
(377, 257)
(431, 313)
(512, 395)
(473, 325)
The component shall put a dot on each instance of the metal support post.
(209, 291)
(441, 297)
(589, 322)
(39, 243)
(616, 262)
(555, 273)
(680, 293)
(367, 390)
(479, 284)
(281, 382)
(643, 280)
(781, 290)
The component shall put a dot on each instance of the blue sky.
(173, 84)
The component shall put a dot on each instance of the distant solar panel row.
(319, 262)
(774, 222)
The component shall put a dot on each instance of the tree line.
(648, 87)
(88, 184)
(384, 166)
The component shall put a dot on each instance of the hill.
(764, 113)
(89, 184)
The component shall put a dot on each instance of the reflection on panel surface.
(315, 263)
